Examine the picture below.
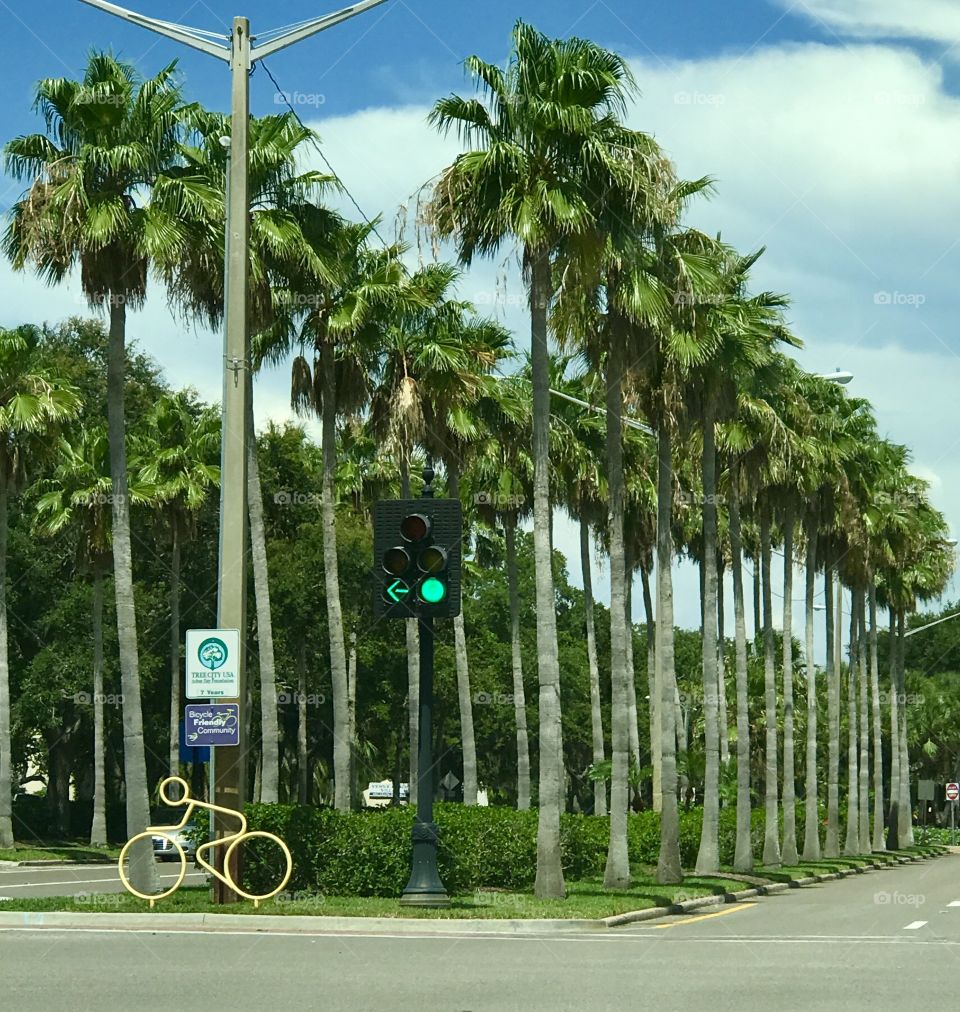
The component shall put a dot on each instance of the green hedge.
(368, 853)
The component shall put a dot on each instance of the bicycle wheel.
(257, 898)
(151, 897)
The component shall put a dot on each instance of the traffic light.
(416, 544)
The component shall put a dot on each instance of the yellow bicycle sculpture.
(233, 840)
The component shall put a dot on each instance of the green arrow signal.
(397, 590)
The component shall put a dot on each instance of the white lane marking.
(913, 925)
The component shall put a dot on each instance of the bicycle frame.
(230, 841)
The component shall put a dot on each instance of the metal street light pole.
(229, 789)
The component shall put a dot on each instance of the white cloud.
(842, 160)
(911, 19)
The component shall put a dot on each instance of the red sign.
(953, 792)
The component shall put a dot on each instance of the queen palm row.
(708, 442)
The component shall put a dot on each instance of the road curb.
(53, 863)
(287, 924)
(632, 916)
(301, 924)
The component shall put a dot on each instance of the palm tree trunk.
(467, 738)
(893, 813)
(411, 632)
(811, 822)
(6, 758)
(175, 650)
(549, 880)
(723, 716)
(596, 715)
(680, 722)
(98, 827)
(633, 725)
(771, 838)
(757, 593)
(851, 845)
(789, 771)
(352, 702)
(878, 841)
(338, 653)
(743, 852)
(269, 731)
(864, 768)
(668, 865)
(832, 843)
(617, 872)
(519, 697)
(708, 856)
(142, 872)
(905, 810)
(303, 771)
(653, 688)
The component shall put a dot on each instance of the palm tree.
(811, 820)
(580, 471)
(743, 850)
(503, 468)
(741, 335)
(77, 495)
(108, 137)
(178, 460)
(435, 364)
(852, 841)
(537, 138)
(460, 407)
(287, 244)
(343, 318)
(34, 402)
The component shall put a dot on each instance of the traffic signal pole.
(425, 888)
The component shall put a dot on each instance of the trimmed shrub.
(368, 853)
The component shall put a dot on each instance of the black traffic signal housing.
(416, 558)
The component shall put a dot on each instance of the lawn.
(41, 851)
(586, 899)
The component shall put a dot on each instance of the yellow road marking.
(704, 917)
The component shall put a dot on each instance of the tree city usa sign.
(213, 664)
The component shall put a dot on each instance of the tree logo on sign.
(212, 653)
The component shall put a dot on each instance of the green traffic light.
(432, 590)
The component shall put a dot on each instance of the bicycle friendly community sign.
(213, 664)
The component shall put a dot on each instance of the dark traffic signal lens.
(396, 561)
(432, 559)
(415, 527)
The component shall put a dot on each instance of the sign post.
(213, 663)
(953, 792)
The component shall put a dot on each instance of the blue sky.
(406, 49)
(832, 128)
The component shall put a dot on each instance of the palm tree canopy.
(108, 138)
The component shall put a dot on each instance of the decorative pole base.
(424, 888)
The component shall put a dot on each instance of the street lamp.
(229, 788)
(843, 378)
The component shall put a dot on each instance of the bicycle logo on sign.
(231, 842)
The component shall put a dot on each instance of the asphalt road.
(883, 940)
(88, 880)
